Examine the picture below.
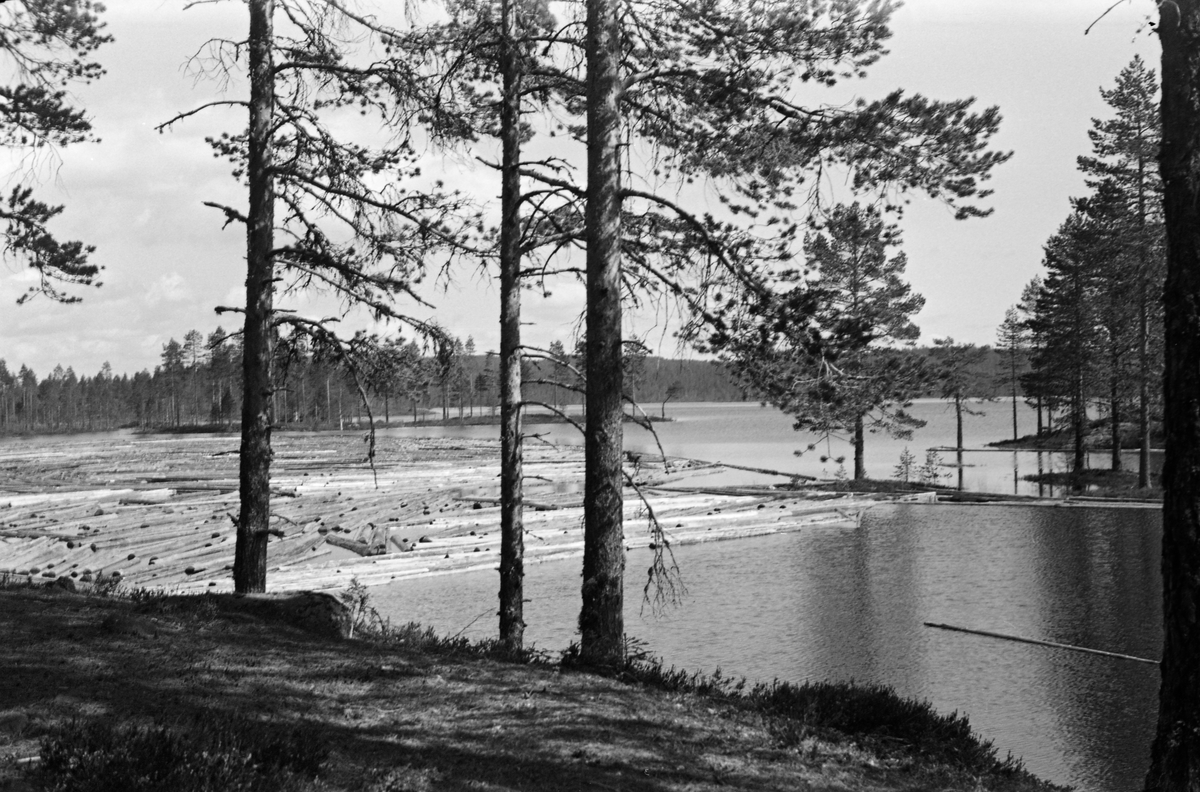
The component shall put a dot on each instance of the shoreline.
(404, 709)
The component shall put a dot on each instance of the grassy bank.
(245, 699)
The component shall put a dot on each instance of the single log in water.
(1036, 642)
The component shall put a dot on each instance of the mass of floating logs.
(159, 513)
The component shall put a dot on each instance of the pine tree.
(847, 380)
(1125, 153)
(1034, 381)
(956, 372)
(49, 48)
(1067, 322)
(338, 230)
(1011, 339)
(1117, 277)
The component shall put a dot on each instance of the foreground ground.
(409, 713)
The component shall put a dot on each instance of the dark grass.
(210, 754)
(240, 755)
(872, 715)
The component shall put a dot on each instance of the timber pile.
(159, 512)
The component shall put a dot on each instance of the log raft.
(159, 513)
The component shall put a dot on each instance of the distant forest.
(197, 386)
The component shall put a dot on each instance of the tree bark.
(958, 414)
(1079, 424)
(1012, 359)
(1175, 755)
(1143, 334)
(254, 481)
(512, 540)
(1144, 385)
(1114, 414)
(860, 469)
(958, 456)
(601, 618)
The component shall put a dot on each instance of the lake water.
(850, 603)
(745, 433)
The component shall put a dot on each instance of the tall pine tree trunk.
(958, 455)
(1175, 756)
(1079, 423)
(601, 618)
(958, 417)
(1143, 335)
(1012, 359)
(1114, 414)
(1144, 382)
(254, 485)
(512, 541)
(860, 468)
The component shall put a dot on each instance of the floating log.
(354, 546)
(535, 505)
(766, 471)
(1036, 642)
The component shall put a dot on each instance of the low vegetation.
(1119, 484)
(228, 754)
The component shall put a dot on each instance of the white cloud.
(168, 288)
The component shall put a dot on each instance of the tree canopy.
(49, 47)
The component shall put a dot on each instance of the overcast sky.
(138, 194)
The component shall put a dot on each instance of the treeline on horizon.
(195, 385)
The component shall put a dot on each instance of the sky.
(138, 194)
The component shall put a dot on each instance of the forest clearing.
(157, 512)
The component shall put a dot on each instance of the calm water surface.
(848, 604)
(745, 433)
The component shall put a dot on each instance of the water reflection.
(849, 603)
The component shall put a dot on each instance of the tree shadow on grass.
(458, 719)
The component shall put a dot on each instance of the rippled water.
(845, 603)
